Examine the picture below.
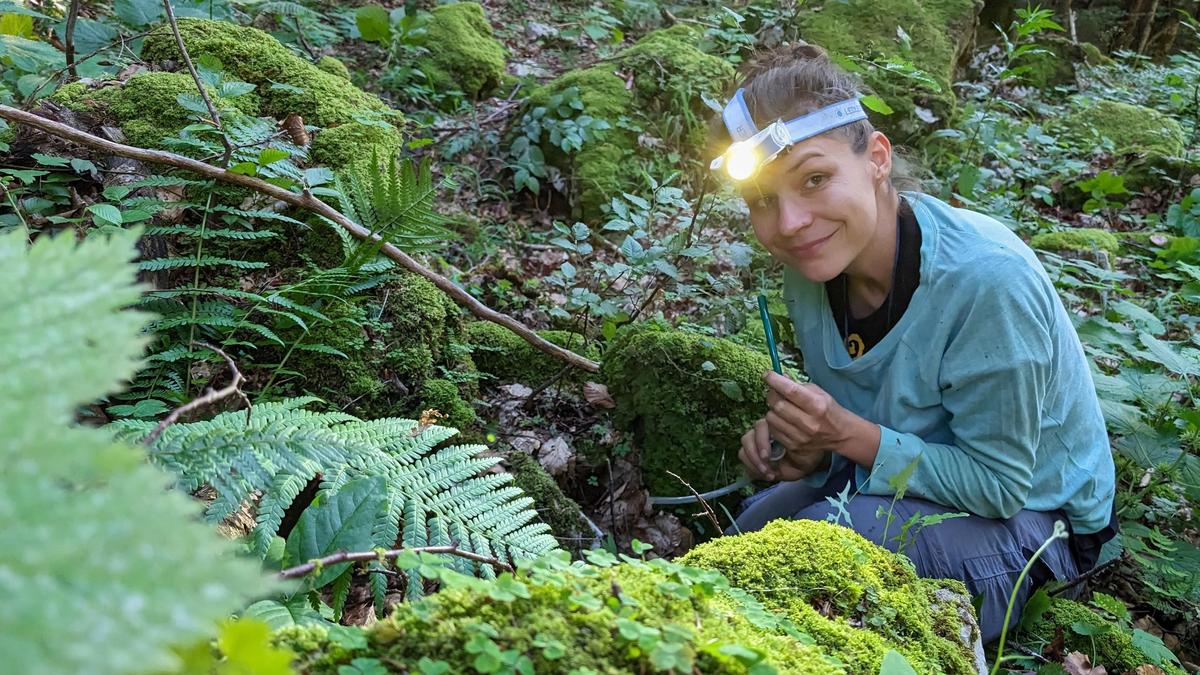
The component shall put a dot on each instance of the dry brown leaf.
(1147, 669)
(1078, 663)
(556, 456)
(597, 394)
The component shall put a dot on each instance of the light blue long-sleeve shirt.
(983, 378)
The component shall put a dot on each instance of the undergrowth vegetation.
(338, 432)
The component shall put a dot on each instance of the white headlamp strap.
(737, 117)
(823, 119)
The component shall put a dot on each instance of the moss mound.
(354, 143)
(687, 399)
(942, 31)
(1111, 646)
(322, 98)
(1142, 138)
(463, 53)
(1057, 64)
(333, 66)
(395, 344)
(1082, 239)
(635, 617)
(145, 107)
(669, 76)
(502, 354)
(854, 583)
(553, 507)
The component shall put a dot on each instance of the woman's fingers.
(784, 431)
(799, 423)
(754, 452)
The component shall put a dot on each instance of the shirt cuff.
(896, 451)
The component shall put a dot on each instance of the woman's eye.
(816, 180)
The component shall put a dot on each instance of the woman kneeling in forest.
(940, 355)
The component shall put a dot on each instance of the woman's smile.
(810, 249)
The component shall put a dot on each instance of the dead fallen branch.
(367, 556)
(234, 387)
(307, 201)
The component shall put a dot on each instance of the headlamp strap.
(741, 125)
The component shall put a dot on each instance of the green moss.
(443, 396)
(1144, 133)
(145, 106)
(333, 66)
(397, 344)
(687, 399)
(463, 53)
(1112, 647)
(509, 358)
(941, 32)
(352, 143)
(854, 582)
(1082, 239)
(629, 618)
(254, 56)
(670, 75)
(553, 507)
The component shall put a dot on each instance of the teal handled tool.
(777, 449)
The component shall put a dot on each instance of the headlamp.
(753, 148)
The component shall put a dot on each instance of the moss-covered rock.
(942, 32)
(1111, 646)
(635, 617)
(687, 399)
(553, 507)
(463, 54)
(322, 98)
(669, 76)
(394, 343)
(333, 66)
(354, 143)
(1056, 65)
(145, 107)
(820, 599)
(1081, 239)
(507, 357)
(856, 599)
(1142, 138)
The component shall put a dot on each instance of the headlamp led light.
(752, 149)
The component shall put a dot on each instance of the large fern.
(393, 199)
(433, 495)
(101, 569)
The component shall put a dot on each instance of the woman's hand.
(810, 424)
(756, 450)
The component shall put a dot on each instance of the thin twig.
(212, 110)
(72, 16)
(707, 509)
(679, 256)
(1086, 575)
(367, 556)
(309, 202)
(234, 387)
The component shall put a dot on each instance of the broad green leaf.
(374, 24)
(138, 13)
(876, 104)
(31, 56)
(296, 611)
(894, 663)
(106, 214)
(1035, 607)
(341, 523)
(16, 24)
(246, 648)
(1180, 363)
(1139, 316)
(103, 567)
(272, 155)
(1152, 646)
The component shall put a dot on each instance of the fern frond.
(159, 264)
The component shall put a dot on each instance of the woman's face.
(817, 206)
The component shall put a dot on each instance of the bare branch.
(212, 111)
(72, 15)
(311, 203)
(234, 387)
(707, 509)
(367, 556)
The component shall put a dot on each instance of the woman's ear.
(879, 151)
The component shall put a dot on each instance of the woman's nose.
(793, 217)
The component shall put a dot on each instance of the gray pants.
(986, 554)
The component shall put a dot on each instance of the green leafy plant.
(384, 483)
(90, 527)
(564, 126)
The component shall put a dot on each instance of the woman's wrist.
(859, 441)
